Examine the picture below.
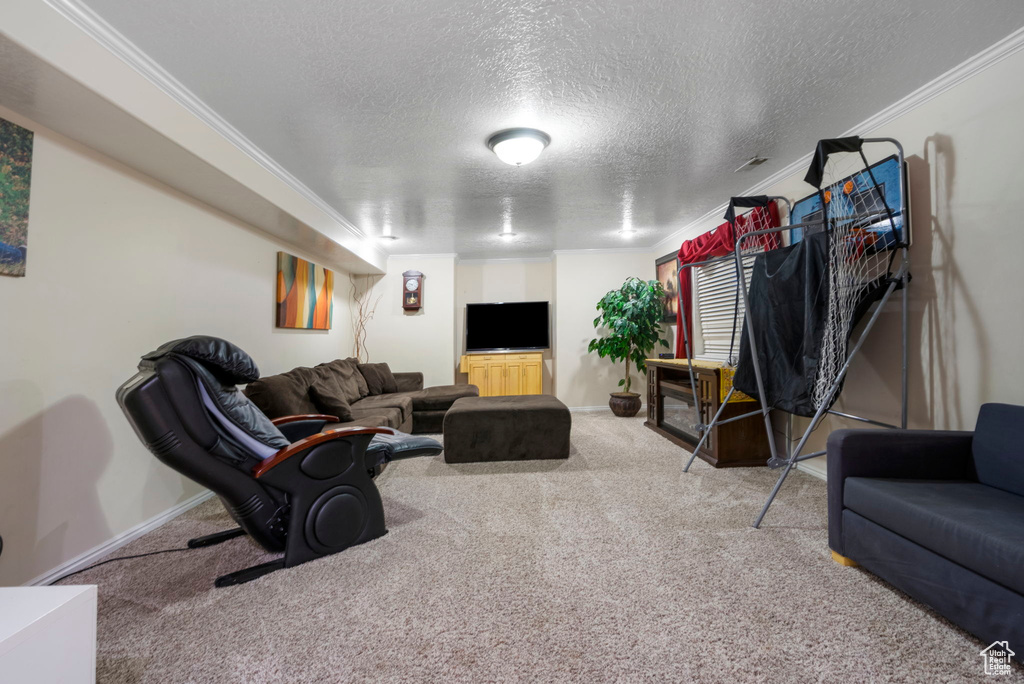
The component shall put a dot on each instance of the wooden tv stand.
(672, 411)
(505, 373)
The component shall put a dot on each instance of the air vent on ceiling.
(751, 163)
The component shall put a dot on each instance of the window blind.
(716, 304)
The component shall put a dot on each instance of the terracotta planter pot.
(624, 404)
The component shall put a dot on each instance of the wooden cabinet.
(505, 374)
(676, 413)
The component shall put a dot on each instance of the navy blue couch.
(939, 515)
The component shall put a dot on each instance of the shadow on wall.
(50, 465)
(948, 300)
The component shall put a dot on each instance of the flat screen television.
(507, 325)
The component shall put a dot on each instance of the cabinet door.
(533, 377)
(478, 376)
(495, 379)
(514, 377)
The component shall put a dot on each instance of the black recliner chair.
(290, 486)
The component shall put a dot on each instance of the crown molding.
(451, 255)
(972, 66)
(106, 35)
(506, 260)
(624, 250)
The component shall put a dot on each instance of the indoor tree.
(632, 317)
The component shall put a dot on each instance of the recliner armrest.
(409, 382)
(284, 420)
(312, 441)
(299, 427)
(908, 454)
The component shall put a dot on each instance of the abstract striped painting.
(305, 294)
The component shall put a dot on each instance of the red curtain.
(716, 243)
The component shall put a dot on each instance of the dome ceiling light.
(518, 146)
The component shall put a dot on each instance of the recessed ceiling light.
(627, 232)
(388, 237)
(518, 146)
(508, 235)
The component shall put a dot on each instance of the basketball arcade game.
(849, 251)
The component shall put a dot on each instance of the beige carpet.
(611, 566)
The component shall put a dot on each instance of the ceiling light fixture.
(518, 146)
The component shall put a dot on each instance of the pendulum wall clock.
(412, 290)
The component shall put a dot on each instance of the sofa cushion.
(379, 378)
(439, 398)
(342, 378)
(974, 525)
(329, 400)
(375, 401)
(383, 416)
(286, 394)
(998, 447)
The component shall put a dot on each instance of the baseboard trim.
(86, 559)
(585, 409)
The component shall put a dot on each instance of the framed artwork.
(305, 294)
(667, 273)
(15, 181)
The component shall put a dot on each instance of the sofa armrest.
(907, 454)
(409, 382)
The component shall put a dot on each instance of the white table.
(48, 634)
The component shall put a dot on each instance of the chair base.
(248, 574)
(843, 560)
(215, 538)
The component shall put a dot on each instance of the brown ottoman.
(506, 429)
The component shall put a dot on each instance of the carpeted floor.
(611, 566)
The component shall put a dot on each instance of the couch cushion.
(379, 378)
(439, 398)
(330, 400)
(998, 447)
(974, 525)
(375, 401)
(392, 417)
(286, 394)
(342, 378)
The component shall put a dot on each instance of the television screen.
(507, 325)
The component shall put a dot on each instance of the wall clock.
(412, 290)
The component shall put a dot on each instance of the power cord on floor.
(119, 558)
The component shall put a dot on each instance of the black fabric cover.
(983, 607)
(917, 454)
(221, 357)
(826, 147)
(977, 526)
(788, 300)
(379, 378)
(745, 203)
(998, 448)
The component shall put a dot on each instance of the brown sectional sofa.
(368, 394)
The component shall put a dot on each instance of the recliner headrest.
(225, 360)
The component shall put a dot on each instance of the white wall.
(581, 279)
(501, 280)
(422, 340)
(964, 148)
(118, 264)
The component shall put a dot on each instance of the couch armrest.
(908, 454)
(409, 382)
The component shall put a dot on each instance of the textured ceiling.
(383, 108)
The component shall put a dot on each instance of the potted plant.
(632, 316)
